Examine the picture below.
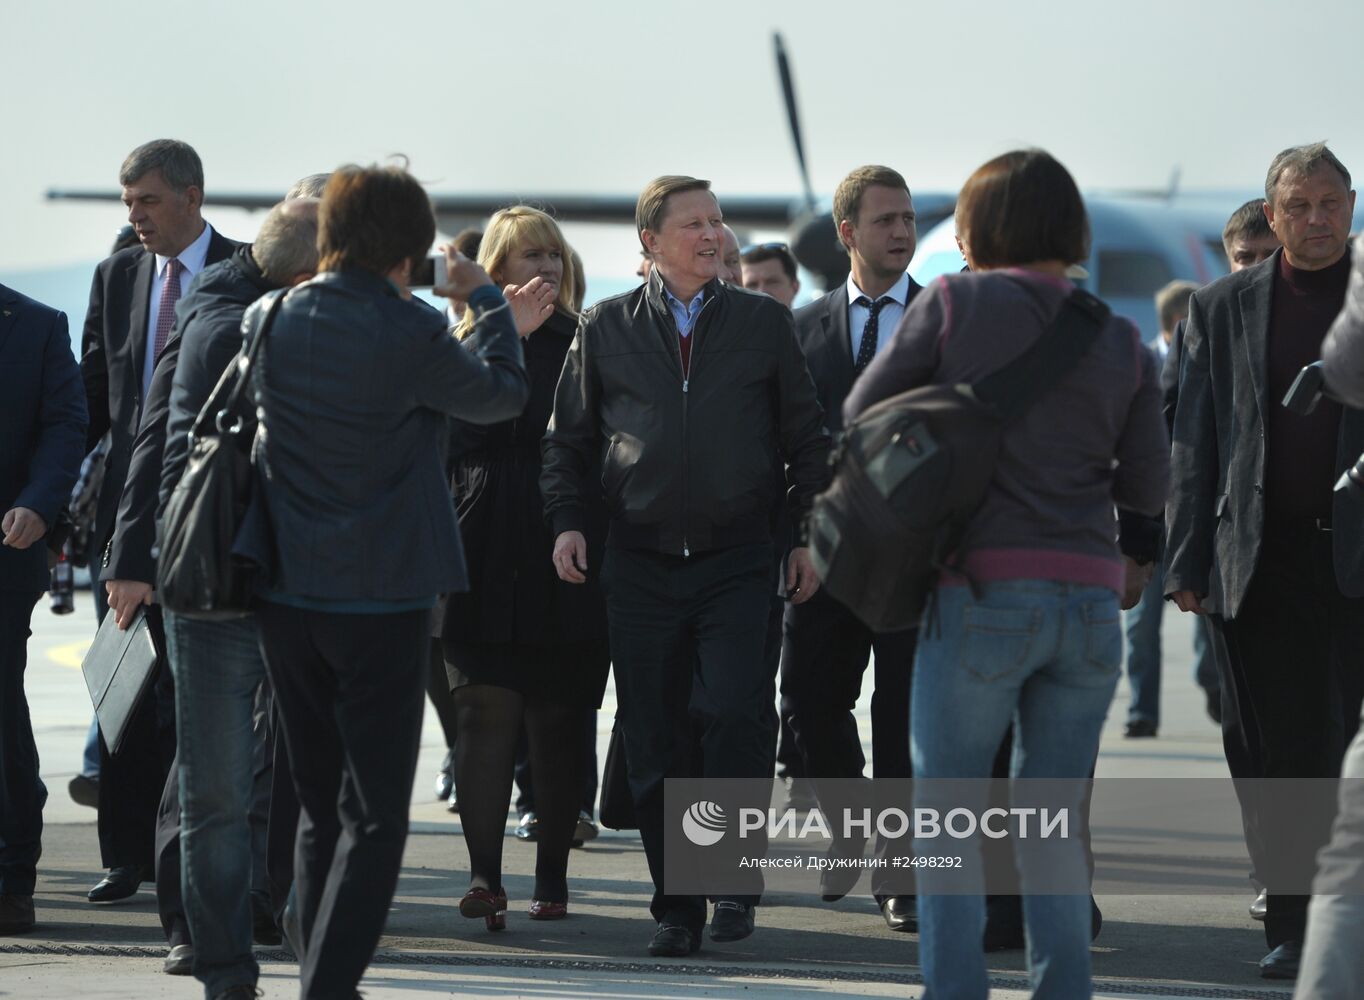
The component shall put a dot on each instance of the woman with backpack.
(1025, 626)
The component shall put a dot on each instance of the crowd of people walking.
(500, 504)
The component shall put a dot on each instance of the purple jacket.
(1095, 439)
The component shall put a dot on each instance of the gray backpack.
(911, 471)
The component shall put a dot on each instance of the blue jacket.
(353, 388)
(42, 426)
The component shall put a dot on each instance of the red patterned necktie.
(165, 315)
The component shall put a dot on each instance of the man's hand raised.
(462, 276)
(570, 557)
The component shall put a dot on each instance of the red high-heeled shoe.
(492, 907)
(543, 909)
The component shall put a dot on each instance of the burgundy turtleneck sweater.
(1300, 457)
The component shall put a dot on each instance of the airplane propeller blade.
(788, 91)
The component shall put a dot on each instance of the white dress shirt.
(888, 321)
(192, 262)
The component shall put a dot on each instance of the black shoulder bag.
(912, 470)
(197, 574)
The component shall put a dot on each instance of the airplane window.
(1132, 273)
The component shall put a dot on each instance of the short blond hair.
(848, 195)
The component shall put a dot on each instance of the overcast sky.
(538, 96)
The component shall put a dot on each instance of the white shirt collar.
(898, 291)
(192, 257)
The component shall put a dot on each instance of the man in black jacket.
(1257, 538)
(216, 664)
(42, 411)
(688, 391)
(131, 313)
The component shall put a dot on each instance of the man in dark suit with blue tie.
(826, 648)
(131, 314)
(42, 441)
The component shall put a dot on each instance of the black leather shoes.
(731, 921)
(901, 913)
(1282, 962)
(180, 961)
(1260, 907)
(673, 941)
(16, 913)
(1140, 729)
(84, 791)
(120, 883)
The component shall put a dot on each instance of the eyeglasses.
(764, 246)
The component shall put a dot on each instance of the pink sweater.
(1096, 439)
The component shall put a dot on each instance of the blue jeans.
(218, 667)
(1143, 650)
(1046, 657)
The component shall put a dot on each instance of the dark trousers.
(825, 654)
(281, 827)
(1291, 693)
(139, 789)
(132, 781)
(687, 645)
(350, 690)
(22, 793)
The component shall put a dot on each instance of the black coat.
(822, 329)
(113, 349)
(42, 427)
(206, 338)
(514, 595)
(354, 387)
(1216, 512)
(686, 459)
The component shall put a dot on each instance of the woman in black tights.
(521, 647)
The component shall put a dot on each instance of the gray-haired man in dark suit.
(1257, 539)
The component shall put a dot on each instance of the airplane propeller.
(812, 237)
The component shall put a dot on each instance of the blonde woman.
(522, 648)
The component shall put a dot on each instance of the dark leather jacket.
(686, 463)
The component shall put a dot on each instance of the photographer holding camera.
(354, 387)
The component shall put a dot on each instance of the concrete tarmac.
(1151, 946)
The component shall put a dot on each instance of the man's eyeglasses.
(764, 246)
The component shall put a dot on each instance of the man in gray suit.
(1257, 539)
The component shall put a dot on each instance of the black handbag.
(617, 803)
(198, 575)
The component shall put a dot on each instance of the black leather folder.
(118, 669)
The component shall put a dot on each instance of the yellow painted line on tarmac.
(69, 654)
